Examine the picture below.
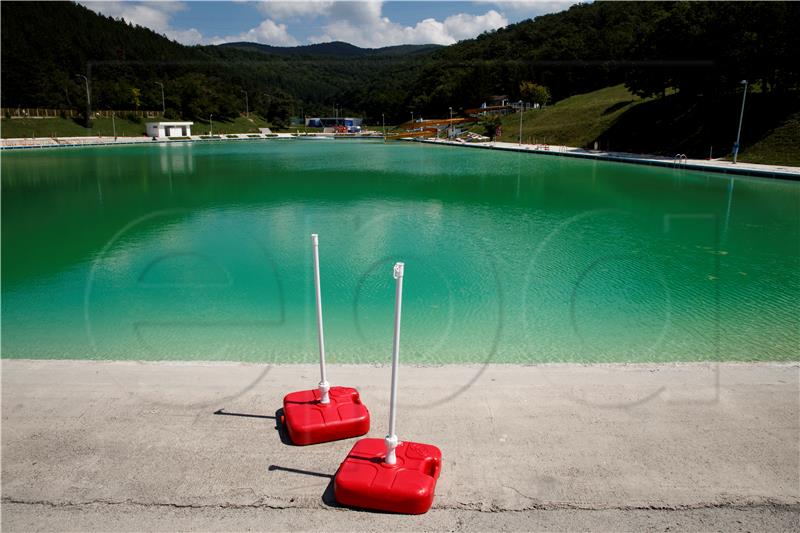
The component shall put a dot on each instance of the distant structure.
(161, 130)
(348, 124)
(500, 105)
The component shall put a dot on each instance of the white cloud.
(359, 22)
(362, 24)
(281, 10)
(268, 32)
(520, 9)
(189, 37)
(153, 15)
(463, 26)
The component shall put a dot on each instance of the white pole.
(324, 387)
(163, 103)
(741, 116)
(391, 438)
(450, 136)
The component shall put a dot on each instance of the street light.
(246, 104)
(520, 122)
(88, 97)
(741, 116)
(163, 104)
(451, 123)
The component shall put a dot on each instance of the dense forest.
(692, 48)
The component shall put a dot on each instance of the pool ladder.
(679, 161)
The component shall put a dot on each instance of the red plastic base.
(310, 422)
(364, 480)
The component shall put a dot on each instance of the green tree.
(535, 93)
(490, 123)
(136, 99)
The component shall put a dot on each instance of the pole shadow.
(280, 426)
(328, 497)
(247, 415)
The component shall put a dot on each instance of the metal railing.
(41, 112)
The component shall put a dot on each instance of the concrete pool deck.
(77, 142)
(713, 165)
(91, 445)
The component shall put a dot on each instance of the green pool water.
(202, 252)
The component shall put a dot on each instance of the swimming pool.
(201, 251)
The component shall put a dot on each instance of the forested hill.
(45, 44)
(700, 49)
(695, 47)
(335, 49)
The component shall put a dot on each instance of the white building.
(169, 129)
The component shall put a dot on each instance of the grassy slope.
(574, 121)
(65, 127)
(620, 121)
(780, 146)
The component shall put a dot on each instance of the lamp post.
(451, 123)
(383, 125)
(266, 114)
(114, 125)
(163, 103)
(520, 122)
(741, 116)
(88, 99)
(211, 124)
(246, 104)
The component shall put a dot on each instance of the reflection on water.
(186, 251)
(176, 158)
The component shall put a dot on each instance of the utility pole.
(266, 114)
(246, 104)
(741, 116)
(163, 103)
(88, 101)
(520, 122)
(451, 124)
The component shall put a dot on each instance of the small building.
(169, 129)
(351, 124)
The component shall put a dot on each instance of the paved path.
(714, 165)
(165, 446)
(73, 142)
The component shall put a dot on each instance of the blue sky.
(366, 23)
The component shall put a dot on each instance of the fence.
(40, 112)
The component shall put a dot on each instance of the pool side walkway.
(713, 165)
(93, 445)
(72, 142)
